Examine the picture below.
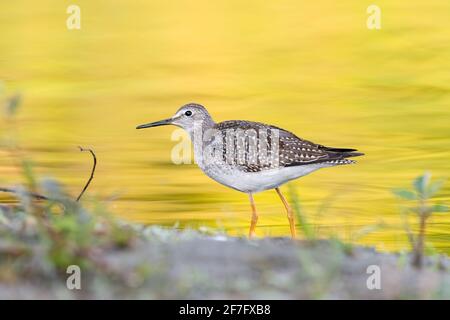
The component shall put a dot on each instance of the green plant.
(423, 190)
(48, 225)
(305, 226)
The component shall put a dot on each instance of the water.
(312, 68)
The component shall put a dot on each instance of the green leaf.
(434, 188)
(405, 194)
(420, 183)
(439, 208)
(27, 170)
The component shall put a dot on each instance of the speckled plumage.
(221, 154)
(252, 156)
(293, 151)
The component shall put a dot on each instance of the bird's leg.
(290, 215)
(254, 216)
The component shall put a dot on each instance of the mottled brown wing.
(251, 162)
(292, 150)
(295, 151)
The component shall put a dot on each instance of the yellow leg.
(290, 215)
(254, 217)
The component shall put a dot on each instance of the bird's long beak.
(155, 124)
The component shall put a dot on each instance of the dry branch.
(30, 194)
(42, 197)
(92, 172)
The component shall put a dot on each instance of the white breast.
(251, 182)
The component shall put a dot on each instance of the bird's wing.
(292, 150)
(295, 151)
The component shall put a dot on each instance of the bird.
(252, 157)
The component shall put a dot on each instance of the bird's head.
(186, 117)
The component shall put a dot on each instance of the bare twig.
(30, 194)
(41, 197)
(92, 172)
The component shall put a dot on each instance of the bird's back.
(290, 150)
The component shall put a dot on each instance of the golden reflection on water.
(310, 67)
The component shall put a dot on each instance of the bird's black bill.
(155, 124)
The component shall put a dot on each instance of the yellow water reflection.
(310, 67)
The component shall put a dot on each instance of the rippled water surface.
(310, 67)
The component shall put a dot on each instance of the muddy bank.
(168, 264)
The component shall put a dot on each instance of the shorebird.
(251, 156)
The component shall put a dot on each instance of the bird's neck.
(197, 131)
(199, 134)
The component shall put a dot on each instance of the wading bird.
(250, 156)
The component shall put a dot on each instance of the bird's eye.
(188, 113)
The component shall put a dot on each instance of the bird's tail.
(352, 154)
(345, 153)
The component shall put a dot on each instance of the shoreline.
(165, 263)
